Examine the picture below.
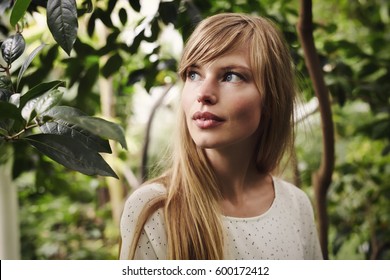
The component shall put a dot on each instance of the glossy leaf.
(63, 112)
(90, 140)
(27, 63)
(18, 11)
(12, 48)
(15, 99)
(5, 83)
(5, 94)
(39, 90)
(41, 104)
(71, 153)
(47, 101)
(62, 22)
(59, 126)
(103, 128)
(28, 109)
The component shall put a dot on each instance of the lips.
(206, 120)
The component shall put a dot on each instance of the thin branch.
(144, 163)
(323, 176)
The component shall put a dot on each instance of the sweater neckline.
(262, 215)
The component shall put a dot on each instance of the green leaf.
(10, 116)
(112, 65)
(62, 22)
(102, 128)
(47, 101)
(71, 153)
(9, 111)
(39, 90)
(123, 16)
(12, 48)
(5, 94)
(15, 99)
(58, 125)
(18, 11)
(41, 104)
(5, 82)
(135, 5)
(28, 109)
(27, 63)
(90, 140)
(63, 112)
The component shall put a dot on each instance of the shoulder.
(145, 193)
(134, 205)
(138, 200)
(140, 197)
(292, 195)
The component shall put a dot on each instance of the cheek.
(248, 111)
(187, 98)
(186, 101)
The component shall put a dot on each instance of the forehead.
(236, 58)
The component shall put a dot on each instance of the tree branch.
(144, 163)
(322, 177)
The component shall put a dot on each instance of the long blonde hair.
(191, 205)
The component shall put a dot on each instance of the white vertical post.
(9, 218)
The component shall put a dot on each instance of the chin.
(209, 144)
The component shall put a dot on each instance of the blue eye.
(232, 77)
(192, 75)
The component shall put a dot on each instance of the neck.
(235, 170)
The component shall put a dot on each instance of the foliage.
(67, 135)
(62, 216)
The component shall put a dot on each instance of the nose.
(207, 94)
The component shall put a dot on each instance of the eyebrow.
(226, 68)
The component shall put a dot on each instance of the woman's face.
(221, 103)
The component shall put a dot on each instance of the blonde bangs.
(214, 39)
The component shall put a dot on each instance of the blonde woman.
(220, 199)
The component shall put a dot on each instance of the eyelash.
(189, 73)
(224, 76)
(227, 73)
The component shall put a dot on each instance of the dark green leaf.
(62, 22)
(12, 48)
(104, 17)
(90, 140)
(9, 111)
(71, 153)
(47, 101)
(5, 94)
(18, 11)
(63, 112)
(91, 25)
(41, 104)
(123, 16)
(135, 5)
(39, 90)
(27, 63)
(102, 128)
(89, 79)
(5, 83)
(168, 12)
(59, 125)
(111, 5)
(113, 64)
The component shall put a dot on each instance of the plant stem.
(16, 136)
